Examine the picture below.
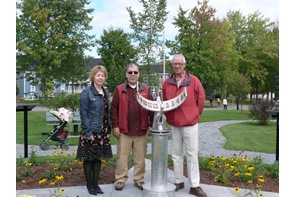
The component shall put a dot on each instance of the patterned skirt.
(100, 148)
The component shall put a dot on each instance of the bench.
(52, 120)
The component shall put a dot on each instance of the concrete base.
(169, 191)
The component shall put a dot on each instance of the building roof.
(94, 62)
(159, 68)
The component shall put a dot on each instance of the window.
(33, 88)
(62, 88)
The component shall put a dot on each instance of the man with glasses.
(131, 123)
(183, 122)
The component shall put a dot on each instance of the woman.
(94, 142)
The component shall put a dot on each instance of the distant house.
(31, 92)
(26, 89)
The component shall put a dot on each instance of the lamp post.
(164, 55)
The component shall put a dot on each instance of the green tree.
(271, 62)
(75, 72)
(148, 27)
(51, 39)
(207, 45)
(240, 88)
(256, 44)
(117, 52)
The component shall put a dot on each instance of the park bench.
(54, 121)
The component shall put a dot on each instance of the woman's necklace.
(99, 91)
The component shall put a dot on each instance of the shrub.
(273, 170)
(258, 112)
(68, 101)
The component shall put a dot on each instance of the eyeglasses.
(177, 63)
(134, 72)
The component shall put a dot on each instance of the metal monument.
(159, 187)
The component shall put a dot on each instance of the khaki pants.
(137, 145)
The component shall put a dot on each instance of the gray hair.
(132, 64)
(180, 56)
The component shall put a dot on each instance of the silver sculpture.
(159, 187)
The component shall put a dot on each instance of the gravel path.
(211, 142)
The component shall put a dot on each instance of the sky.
(114, 14)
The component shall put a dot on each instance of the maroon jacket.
(189, 112)
(119, 109)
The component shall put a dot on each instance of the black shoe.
(99, 191)
(92, 191)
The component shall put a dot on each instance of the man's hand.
(116, 132)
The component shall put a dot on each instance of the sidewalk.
(131, 191)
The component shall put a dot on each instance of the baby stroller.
(60, 133)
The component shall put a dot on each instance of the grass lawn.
(218, 115)
(241, 136)
(250, 136)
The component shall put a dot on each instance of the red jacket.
(119, 109)
(189, 112)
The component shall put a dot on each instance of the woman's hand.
(91, 138)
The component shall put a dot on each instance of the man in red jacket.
(131, 122)
(183, 122)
